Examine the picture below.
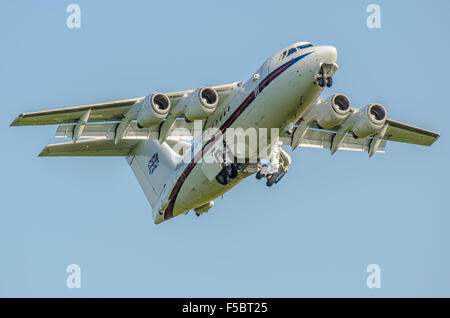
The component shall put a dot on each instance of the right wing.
(101, 112)
(110, 122)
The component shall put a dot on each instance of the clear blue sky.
(313, 234)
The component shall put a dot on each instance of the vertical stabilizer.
(154, 165)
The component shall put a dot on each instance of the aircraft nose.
(328, 54)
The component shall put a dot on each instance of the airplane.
(164, 136)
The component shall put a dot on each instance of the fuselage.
(276, 95)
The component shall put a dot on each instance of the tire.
(271, 180)
(321, 82)
(329, 81)
(222, 178)
(233, 173)
(259, 176)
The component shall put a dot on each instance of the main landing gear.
(230, 166)
(228, 172)
(275, 167)
(272, 175)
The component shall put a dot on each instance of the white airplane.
(163, 136)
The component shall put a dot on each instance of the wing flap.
(181, 129)
(319, 138)
(90, 148)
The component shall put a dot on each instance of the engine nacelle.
(154, 109)
(329, 112)
(200, 103)
(368, 121)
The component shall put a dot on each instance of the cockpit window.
(293, 50)
(304, 46)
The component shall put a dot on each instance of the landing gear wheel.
(222, 177)
(271, 179)
(329, 81)
(321, 81)
(233, 172)
(262, 172)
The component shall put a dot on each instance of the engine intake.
(369, 120)
(329, 112)
(200, 103)
(154, 109)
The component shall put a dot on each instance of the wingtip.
(43, 152)
(15, 122)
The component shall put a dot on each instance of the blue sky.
(313, 234)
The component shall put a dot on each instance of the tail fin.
(153, 165)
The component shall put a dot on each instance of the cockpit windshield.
(294, 49)
(304, 46)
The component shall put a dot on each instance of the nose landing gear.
(324, 76)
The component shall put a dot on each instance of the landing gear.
(275, 167)
(271, 179)
(324, 76)
(228, 172)
(223, 177)
(321, 81)
(233, 171)
(262, 172)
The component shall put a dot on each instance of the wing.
(323, 139)
(101, 112)
(315, 137)
(111, 122)
(401, 132)
(95, 147)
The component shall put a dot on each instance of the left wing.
(401, 132)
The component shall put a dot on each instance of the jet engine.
(154, 109)
(200, 103)
(329, 112)
(369, 120)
